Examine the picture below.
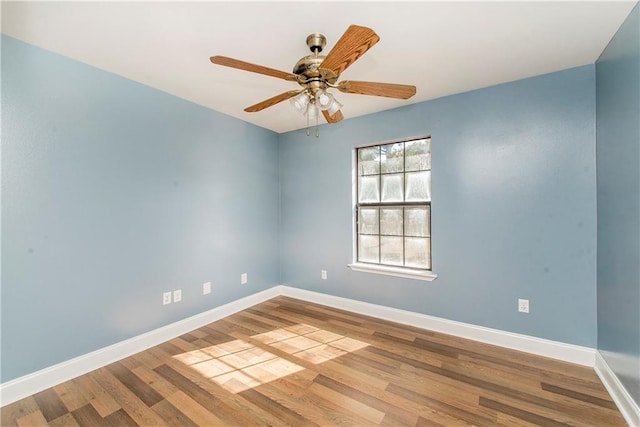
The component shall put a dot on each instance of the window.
(393, 209)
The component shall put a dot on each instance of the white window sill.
(407, 273)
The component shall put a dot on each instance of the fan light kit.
(317, 73)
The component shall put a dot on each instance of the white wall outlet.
(323, 274)
(206, 288)
(166, 298)
(244, 279)
(523, 305)
(177, 295)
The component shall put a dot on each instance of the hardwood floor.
(289, 362)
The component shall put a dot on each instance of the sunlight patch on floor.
(238, 365)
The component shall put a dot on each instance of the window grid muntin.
(380, 204)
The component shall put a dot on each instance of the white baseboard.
(542, 347)
(627, 406)
(43, 379)
(27, 385)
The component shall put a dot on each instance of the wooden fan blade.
(272, 101)
(247, 66)
(337, 116)
(351, 46)
(390, 90)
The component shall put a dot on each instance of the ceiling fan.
(316, 73)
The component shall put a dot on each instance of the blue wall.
(618, 165)
(112, 193)
(514, 207)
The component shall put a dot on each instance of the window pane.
(416, 252)
(368, 221)
(392, 187)
(369, 189)
(391, 250)
(418, 186)
(391, 221)
(368, 250)
(416, 221)
(369, 161)
(392, 158)
(418, 155)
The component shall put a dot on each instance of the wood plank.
(518, 413)
(149, 359)
(34, 419)
(66, 420)
(579, 396)
(267, 318)
(163, 387)
(138, 387)
(282, 412)
(452, 410)
(347, 404)
(505, 420)
(120, 418)
(391, 420)
(88, 416)
(192, 409)
(71, 395)
(50, 404)
(130, 362)
(172, 415)
(9, 414)
(189, 337)
(423, 422)
(100, 399)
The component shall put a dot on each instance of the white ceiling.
(442, 48)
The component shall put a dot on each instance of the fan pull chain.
(315, 53)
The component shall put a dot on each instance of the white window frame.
(404, 272)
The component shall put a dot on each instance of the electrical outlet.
(244, 279)
(166, 298)
(523, 305)
(206, 288)
(177, 295)
(323, 274)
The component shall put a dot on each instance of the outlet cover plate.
(323, 274)
(177, 295)
(206, 288)
(244, 279)
(523, 305)
(166, 298)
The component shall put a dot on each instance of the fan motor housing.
(308, 64)
(308, 67)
